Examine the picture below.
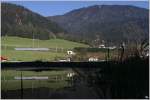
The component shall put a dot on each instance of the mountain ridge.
(109, 23)
(105, 20)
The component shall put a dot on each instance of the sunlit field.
(9, 43)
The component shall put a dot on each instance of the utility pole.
(21, 86)
(33, 39)
(122, 51)
(38, 42)
(5, 47)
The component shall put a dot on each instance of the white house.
(101, 46)
(70, 52)
(93, 59)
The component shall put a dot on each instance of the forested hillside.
(19, 21)
(112, 23)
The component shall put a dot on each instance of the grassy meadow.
(9, 43)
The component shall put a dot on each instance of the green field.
(9, 43)
(56, 79)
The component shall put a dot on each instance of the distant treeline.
(81, 49)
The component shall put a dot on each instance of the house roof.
(3, 58)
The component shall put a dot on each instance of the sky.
(52, 8)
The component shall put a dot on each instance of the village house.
(93, 59)
(70, 52)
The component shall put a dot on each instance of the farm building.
(3, 59)
(32, 49)
(70, 52)
(93, 59)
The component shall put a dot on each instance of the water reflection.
(74, 83)
(63, 83)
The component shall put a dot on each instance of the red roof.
(3, 58)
